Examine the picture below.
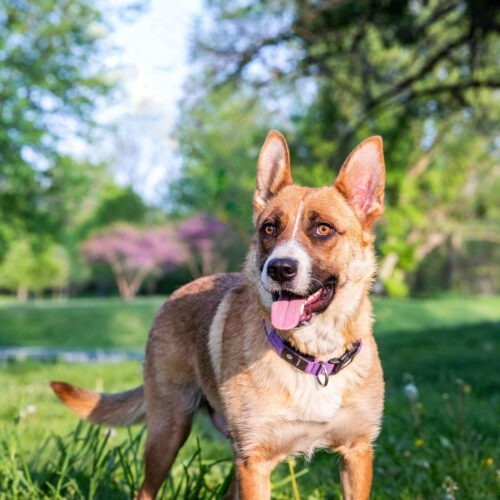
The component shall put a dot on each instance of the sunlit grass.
(439, 437)
(84, 323)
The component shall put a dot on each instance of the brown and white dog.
(283, 353)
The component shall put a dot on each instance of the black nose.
(282, 270)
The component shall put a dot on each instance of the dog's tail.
(119, 409)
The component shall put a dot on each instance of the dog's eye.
(323, 230)
(269, 230)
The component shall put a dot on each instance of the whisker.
(310, 288)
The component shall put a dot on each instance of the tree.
(28, 269)
(422, 74)
(219, 139)
(134, 253)
(203, 234)
(114, 204)
(448, 47)
(52, 79)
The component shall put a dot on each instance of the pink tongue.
(285, 314)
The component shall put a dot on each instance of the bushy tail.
(119, 409)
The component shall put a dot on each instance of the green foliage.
(421, 74)
(114, 204)
(219, 158)
(51, 80)
(31, 269)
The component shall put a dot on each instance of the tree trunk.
(387, 266)
(22, 293)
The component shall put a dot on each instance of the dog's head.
(314, 246)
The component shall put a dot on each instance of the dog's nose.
(282, 270)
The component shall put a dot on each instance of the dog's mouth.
(291, 311)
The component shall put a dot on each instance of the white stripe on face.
(297, 221)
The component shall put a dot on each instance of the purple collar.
(309, 364)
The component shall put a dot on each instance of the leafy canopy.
(329, 74)
(52, 78)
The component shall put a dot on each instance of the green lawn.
(83, 323)
(444, 441)
(113, 323)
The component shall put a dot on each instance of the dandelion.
(31, 409)
(449, 486)
(26, 412)
(411, 391)
(419, 442)
(489, 461)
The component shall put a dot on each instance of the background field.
(123, 171)
(444, 439)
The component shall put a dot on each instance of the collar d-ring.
(323, 382)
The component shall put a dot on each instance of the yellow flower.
(419, 442)
(489, 461)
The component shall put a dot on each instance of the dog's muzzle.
(290, 310)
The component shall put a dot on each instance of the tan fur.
(207, 344)
(121, 409)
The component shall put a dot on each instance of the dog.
(282, 354)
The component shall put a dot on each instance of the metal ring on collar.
(323, 383)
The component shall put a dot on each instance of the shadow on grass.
(439, 356)
(441, 443)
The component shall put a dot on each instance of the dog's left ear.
(273, 170)
(362, 178)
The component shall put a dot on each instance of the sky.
(153, 62)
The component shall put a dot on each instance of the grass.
(439, 438)
(78, 323)
(113, 323)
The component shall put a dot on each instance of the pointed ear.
(362, 178)
(273, 170)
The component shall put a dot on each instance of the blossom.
(133, 253)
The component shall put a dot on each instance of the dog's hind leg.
(170, 416)
(356, 471)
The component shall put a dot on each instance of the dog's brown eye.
(269, 229)
(324, 230)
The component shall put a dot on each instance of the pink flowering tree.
(134, 253)
(203, 234)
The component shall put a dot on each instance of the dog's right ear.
(273, 170)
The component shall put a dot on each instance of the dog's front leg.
(356, 471)
(254, 478)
